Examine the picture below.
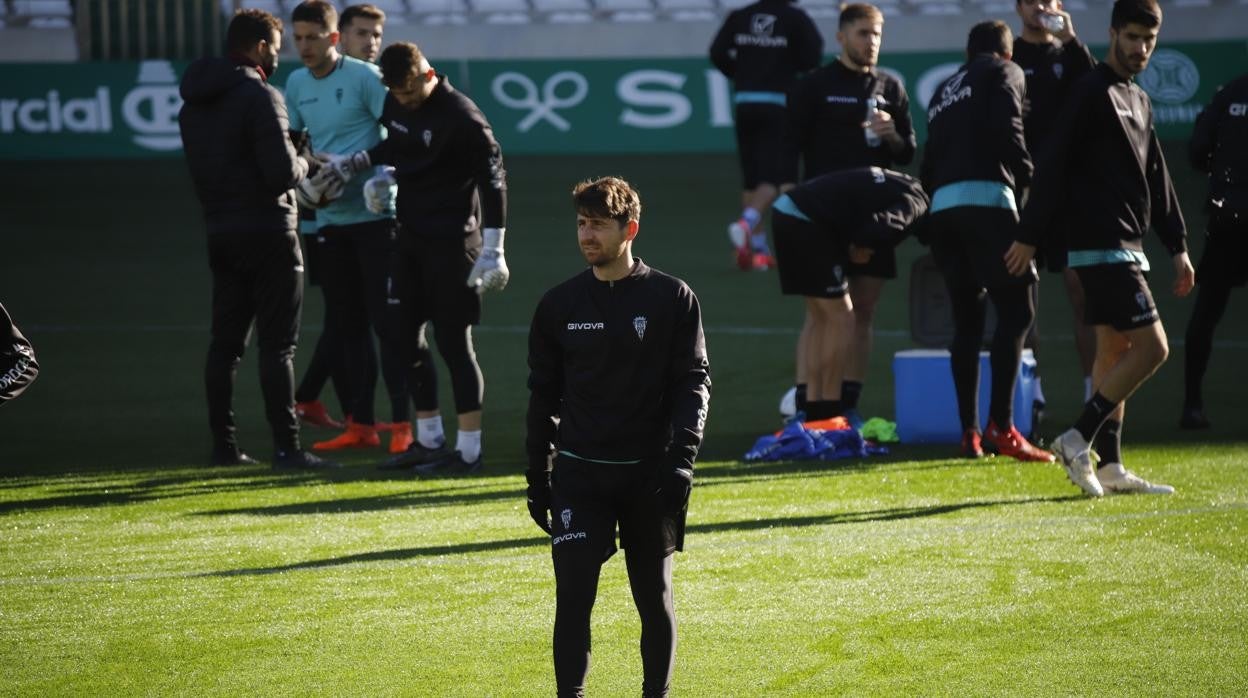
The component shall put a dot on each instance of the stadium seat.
(42, 8)
(508, 18)
(694, 15)
(569, 18)
(273, 7)
(671, 5)
(500, 6)
(445, 19)
(397, 8)
(633, 16)
(562, 5)
(623, 5)
(436, 6)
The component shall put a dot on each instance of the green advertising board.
(105, 110)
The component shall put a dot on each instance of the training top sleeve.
(385, 152)
(896, 93)
(486, 157)
(1204, 132)
(18, 367)
(1167, 217)
(689, 381)
(722, 55)
(374, 93)
(888, 227)
(1005, 118)
(268, 130)
(545, 388)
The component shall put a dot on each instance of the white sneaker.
(1076, 456)
(738, 234)
(1116, 479)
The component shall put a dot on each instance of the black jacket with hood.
(234, 133)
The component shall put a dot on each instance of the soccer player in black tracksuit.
(828, 109)
(820, 226)
(1105, 171)
(762, 48)
(1219, 146)
(974, 163)
(1052, 61)
(234, 133)
(619, 386)
(18, 367)
(451, 208)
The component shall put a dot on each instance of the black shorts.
(882, 265)
(765, 159)
(589, 500)
(812, 261)
(1225, 259)
(969, 244)
(429, 279)
(1117, 295)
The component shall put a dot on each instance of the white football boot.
(1115, 479)
(1076, 456)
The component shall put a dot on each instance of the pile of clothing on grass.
(827, 439)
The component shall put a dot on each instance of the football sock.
(822, 409)
(850, 392)
(1087, 388)
(799, 397)
(751, 216)
(1094, 413)
(1109, 441)
(758, 242)
(1039, 394)
(429, 432)
(468, 443)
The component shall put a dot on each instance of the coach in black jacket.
(1219, 146)
(974, 165)
(619, 386)
(234, 133)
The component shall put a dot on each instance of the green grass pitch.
(126, 567)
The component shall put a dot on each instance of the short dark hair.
(248, 28)
(365, 11)
(399, 62)
(1143, 12)
(607, 197)
(316, 12)
(852, 12)
(992, 36)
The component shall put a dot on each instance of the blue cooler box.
(927, 407)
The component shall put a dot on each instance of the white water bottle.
(1053, 23)
(873, 139)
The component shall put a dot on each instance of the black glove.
(674, 489)
(539, 497)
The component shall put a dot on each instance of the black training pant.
(256, 276)
(354, 271)
(968, 243)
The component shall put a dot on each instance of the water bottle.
(1053, 23)
(873, 139)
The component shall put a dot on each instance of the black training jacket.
(1104, 178)
(235, 137)
(975, 127)
(18, 367)
(866, 206)
(1219, 146)
(764, 46)
(826, 110)
(447, 163)
(1050, 68)
(618, 370)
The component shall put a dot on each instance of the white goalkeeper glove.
(380, 192)
(490, 273)
(349, 165)
(319, 190)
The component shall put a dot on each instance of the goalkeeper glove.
(318, 190)
(490, 272)
(347, 166)
(380, 192)
(538, 494)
